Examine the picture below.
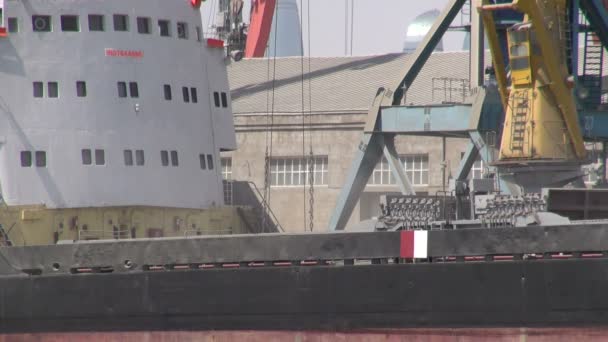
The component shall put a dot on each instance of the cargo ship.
(114, 223)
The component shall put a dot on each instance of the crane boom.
(262, 14)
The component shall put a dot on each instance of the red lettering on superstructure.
(124, 53)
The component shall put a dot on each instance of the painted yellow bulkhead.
(539, 110)
(36, 225)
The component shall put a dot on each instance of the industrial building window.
(96, 22)
(40, 158)
(164, 28)
(139, 157)
(86, 157)
(81, 88)
(186, 94)
(182, 30)
(13, 25)
(164, 158)
(296, 171)
(134, 89)
(122, 89)
(210, 161)
(53, 89)
(478, 169)
(100, 157)
(193, 95)
(38, 89)
(416, 168)
(121, 22)
(174, 160)
(216, 99)
(143, 25)
(128, 154)
(224, 100)
(167, 92)
(42, 23)
(69, 23)
(199, 36)
(26, 158)
(226, 168)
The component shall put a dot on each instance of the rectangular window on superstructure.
(296, 171)
(186, 94)
(40, 158)
(122, 89)
(69, 23)
(203, 161)
(128, 154)
(216, 99)
(226, 168)
(167, 92)
(164, 28)
(81, 88)
(224, 100)
(133, 89)
(53, 89)
(26, 158)
(42, 23)
(174, 159)
(13, 25)
(100, 157)
(139, 157)
(182, 30)
(164, 158)
(38, 89)
(193, 95)
(143, 25)
(210, 161)
(86, 157)
(199, 36)
(121, 22)
(96, 22)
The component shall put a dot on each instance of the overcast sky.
(379, 25)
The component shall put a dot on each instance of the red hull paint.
(418, 335)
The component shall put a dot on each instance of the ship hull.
(540, 293)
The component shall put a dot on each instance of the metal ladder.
(591, 79)
(519, 119)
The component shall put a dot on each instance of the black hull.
(554, 293)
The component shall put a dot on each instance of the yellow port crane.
(541, 125)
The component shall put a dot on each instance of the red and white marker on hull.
(414, 244)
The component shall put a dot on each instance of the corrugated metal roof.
(340, 84)
(337, 83)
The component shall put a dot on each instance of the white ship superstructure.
(111, 103)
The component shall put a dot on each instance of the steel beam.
(396, 165)
(596, 13)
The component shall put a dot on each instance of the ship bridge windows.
(87, 156)
(139, 157)
(122, 89)
(164, 158)
(182, 30)
(27, 159)
(216, 99)
(143, 25)
(121, 22)
(70, 23)
(206, 161)
(167, 92)
(53, 89)
(164, 27)
(42, 23)
(186, 94)
(193, 95)
(38, 89)
(96, 22)
(199, 36)
(224, 100)
(81, 88)
(13, 25)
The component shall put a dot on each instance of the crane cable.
(269, 137)
(311, 159)
(303, 161)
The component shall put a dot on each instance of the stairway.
(591, 79)
(519, 120)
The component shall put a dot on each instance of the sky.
(379, 26)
